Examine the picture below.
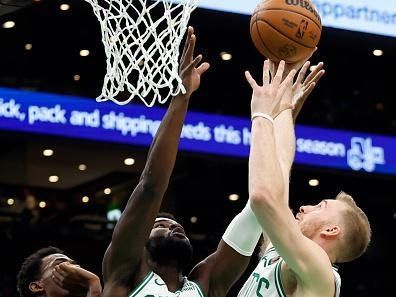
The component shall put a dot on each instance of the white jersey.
(153, 286)
(265, 280)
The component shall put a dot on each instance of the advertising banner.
(81, 118)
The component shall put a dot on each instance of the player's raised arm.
(124, 254)
(266, 189)
(284, 122)
(221, 269)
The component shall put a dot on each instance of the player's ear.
(36, 287)
(331, 232)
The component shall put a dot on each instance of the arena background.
(42, 53)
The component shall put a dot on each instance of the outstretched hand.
(77, 280)
(268, 97)
(304, 86)
(190, 72)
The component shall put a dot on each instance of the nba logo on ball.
(285, 29)
(301, 29)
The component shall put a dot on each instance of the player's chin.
(179, 236)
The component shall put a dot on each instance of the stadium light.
(9, 25)
(53, 179)
(378, 52)
(313, 182)
(233, 197)
(225, 56)
(64, 7)
(48, 152)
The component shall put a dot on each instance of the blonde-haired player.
(299, 261)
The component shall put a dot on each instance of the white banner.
(370, 16)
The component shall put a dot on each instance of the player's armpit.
(218, 272)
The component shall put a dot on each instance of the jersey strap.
(278, 283)
(337, 280)
(142, 284)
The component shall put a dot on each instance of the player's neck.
(170, 274)
(327, 246)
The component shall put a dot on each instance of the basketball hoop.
(141, 40)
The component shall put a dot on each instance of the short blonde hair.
(357, 231)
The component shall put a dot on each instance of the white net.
(141, 40)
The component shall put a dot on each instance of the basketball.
(285, 29)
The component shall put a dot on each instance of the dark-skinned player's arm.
(123, 255)
(305, 258)
(218, 272)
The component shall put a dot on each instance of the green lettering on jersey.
(261, 281)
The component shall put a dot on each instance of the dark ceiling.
(357, 93)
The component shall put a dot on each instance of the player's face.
(169, 245)
(50, 287)
(314, 218)
(168, 228)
